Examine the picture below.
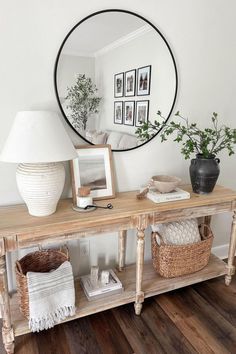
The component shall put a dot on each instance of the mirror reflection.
(114, 71)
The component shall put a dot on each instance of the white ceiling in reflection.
(95, 33)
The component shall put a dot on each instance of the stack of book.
(177, 194)
(99, 290)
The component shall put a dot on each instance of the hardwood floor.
(196, 319)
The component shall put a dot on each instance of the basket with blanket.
(45, 286)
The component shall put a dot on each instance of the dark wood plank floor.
(196, 319)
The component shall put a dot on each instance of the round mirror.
(113, 72)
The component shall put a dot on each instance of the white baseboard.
(221, 251)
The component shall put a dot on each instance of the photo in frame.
(118, 112)
(142, 111)
(130, 83)
(119, 85)
(129, 113)
(93, 168)
(144, 81)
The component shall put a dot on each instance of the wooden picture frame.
(119, 85)
(129, 107)
(93, 168)
(130, 83)
(144, 80)
(141, 112)
(118, 112)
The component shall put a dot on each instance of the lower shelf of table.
(153, 284)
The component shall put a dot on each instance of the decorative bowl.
(165, 184)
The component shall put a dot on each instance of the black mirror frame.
(59, 53)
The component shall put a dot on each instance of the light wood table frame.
(20, 230)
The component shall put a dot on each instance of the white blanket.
(51, 297)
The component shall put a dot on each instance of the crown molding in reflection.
(118, 43)
(123, 40)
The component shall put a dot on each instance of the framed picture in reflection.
(144, 81)
(130, 83)
(142, 111)
(118, 112)
(129, 113)
(119, 85)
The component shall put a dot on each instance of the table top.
(15, 219)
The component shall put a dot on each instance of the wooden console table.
(20, 230)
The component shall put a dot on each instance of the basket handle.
(18, 267)
(64, 249)
(160, 237)
(202, 226)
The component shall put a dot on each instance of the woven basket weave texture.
(176, 260)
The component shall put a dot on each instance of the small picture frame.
(144, 81)
(142, 111)
(93, 168)
(129, 113)
(130, 83)
(119, 85)
(118, 112)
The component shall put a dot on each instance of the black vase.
(204, 173)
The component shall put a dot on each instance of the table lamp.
(39, 143)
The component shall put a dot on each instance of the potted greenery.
(82, 101)
(205, 143)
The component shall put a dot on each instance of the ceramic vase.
(204, 173)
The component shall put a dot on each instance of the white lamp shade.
(37, 136)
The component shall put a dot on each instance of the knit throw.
(51, 297)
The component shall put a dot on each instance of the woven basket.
(175, 260)
(40, 261)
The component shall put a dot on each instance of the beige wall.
(201, 35)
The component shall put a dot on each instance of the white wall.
(202, 36)
(148, 49)
(69, 66)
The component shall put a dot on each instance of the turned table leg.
(139, 271)
(7, 330)
(121, 249)
(232, 246)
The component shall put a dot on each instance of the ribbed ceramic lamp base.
(41, 185)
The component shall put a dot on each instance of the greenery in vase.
(82, 101)
(208, 142)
